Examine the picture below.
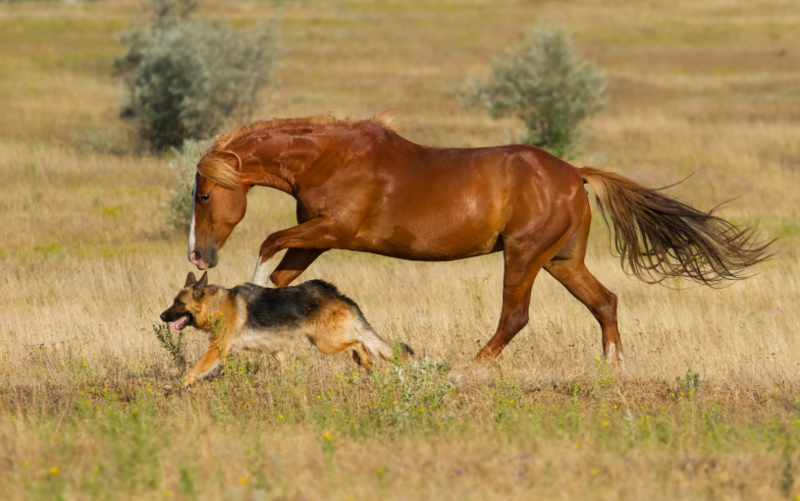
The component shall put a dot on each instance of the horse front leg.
(294, 262)
(305, 243)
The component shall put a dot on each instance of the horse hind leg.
(599, 300)
(520, 272)
(569, 269)
(523, 259)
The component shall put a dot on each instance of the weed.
(179, 207)
(688, 384)
(790, 226)
(113, 212)
(475, 287)
(48, 249)
(507, 401)
(172, 342)
(787, 472)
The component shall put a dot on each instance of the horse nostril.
(196, 255)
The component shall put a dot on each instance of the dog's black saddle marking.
(287, 306)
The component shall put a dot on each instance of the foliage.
(184, 78)
(424, 386)
(141, 436)
(689, 384)
(172, 343)
(544, 84)
(183, 164)
(475, 288)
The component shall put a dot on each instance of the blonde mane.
(214, 165)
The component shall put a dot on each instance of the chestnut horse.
(361, 186)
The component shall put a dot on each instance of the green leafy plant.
(689, 384)
(171, 342)
(178, 210)
(475, 287)
(184, 78)
(424, 386)
(544, 84)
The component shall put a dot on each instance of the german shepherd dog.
(256, 318)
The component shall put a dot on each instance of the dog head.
(188, 304)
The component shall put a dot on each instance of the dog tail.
(374, 345)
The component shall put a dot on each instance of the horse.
(361, 186)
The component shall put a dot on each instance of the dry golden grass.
(89, 264)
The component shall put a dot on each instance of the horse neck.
(284, 167)
(256, 172)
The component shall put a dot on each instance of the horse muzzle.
(202, 260)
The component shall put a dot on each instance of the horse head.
(216, 210)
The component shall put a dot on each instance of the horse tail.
(658, 237)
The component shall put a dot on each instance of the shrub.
(173, 343)
(544, 84)
(184, 77)
(183, 164)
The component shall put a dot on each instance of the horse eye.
(204, 197)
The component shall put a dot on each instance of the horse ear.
(190, 280)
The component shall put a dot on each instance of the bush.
(184, 78)
(544, 84)
(184, 165)
(173, 343)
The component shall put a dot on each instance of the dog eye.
(204, 197)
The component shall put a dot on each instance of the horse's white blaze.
(192, 240)
(261, 275)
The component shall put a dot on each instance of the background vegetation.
(544, 84)
(186, 77)
(183, 164)
(89, 405)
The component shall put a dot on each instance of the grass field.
(709, 408)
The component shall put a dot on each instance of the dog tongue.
(177, 324)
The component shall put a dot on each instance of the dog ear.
(200, 287)
(190, 280)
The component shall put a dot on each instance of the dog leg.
(204, 366)
(360, 356)
(280, 357)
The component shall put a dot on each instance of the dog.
(250, 317)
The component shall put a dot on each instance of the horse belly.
(430, 238)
